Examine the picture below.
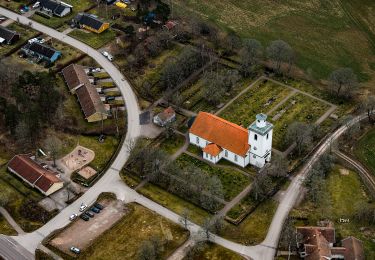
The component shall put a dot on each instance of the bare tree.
(279, 52)
(288, 238)
(300, 134)
(368, 105)
(343, 82)
(251, 54)
(278, 167)
(261, 187)
(184, 218)
(53, 145)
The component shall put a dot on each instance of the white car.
(36, 5)
(75, 250)
(73, 217)
(110, 57)
(105, 54)
(82, 207)
(33, 40)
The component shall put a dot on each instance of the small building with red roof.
(165, 117)
(26, 168)
(221, 139)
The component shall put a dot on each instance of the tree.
(288, 237)
(184, 218)
(278, 167)
(279, 52)
(214, 88)
(365, 213)
(261, 187)
(251, 54)
(53, 145)
(368, 105)
(315, 183)
(300, 134)
(343, 81)
(4, 197)
(206, 228)
(151, 249)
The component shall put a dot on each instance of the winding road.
(10, 247)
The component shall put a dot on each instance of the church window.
(254, 156)
(197, 140)
(235, 158)
(211, 157)
(255, 137)
(226, 153)
(267, 137)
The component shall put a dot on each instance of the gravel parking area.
(81, 233)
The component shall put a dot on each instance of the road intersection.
(111, 181)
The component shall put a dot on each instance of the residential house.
(33, 173)
(165, 117)
(41, 51)
(56, 8)
(220, 138)
(91, 22)
(79, 83)
(8, 36)
(317, 243)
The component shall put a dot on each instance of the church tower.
(260, 141)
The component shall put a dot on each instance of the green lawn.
(6, 228)
(232, 180)
(305, 109)
(259, 99)
(324, 36)
(341, 194)
(174, 203)
(172, 144)
(253, 229)
(93, 39)
(211, 251)
(365, 150)
(124, 239)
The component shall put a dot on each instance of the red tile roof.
(221, 132)
(167, 114)
(32, 172)
(354, 249)
(75, 75)
(212, 149)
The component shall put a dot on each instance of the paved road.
(10, 249)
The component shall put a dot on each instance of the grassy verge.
(232, 180)
(365, 150)
(174, 203)
(252, 229)
(124, 239)
(211, 251)
(6, 228)
(94, 40)
(340, 195)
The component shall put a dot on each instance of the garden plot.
(232, 180)
(300, 108)
(259, 99)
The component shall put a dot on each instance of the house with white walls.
(221, 139)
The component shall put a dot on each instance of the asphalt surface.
(111, 181)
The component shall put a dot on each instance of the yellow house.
(91, 23)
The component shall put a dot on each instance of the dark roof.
(354, 249)
(75, 75)
(90, 100)
(32, 172)
(55, 7)
(42, 49)
(7, 34)
(90, 21)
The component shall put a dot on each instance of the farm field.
(93, 39)
(341, 195)
(325, 34)
(174, 203)
(125, 238)
(365, 150)
(233, 181)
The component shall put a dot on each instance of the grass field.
(243, 110)
(253, 229)
(341, 194)
(93, 39)
(232, 180)
(124, 239)
(211, 251)
(6, 228)
(325, 34)
(172, 144)
(365, 150)
(174, 203)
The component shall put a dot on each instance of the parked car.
(36, 5)
(110, 57)
(90, 214)
(75, 250)
(82, 207)
(99, 206)
(85, 217)
(73, 217)
(109, 98)
(105, 54)
(95, 210)
(101, 140)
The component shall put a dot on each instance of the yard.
(253, 229)
(305, 25)
(174, 203)
(365, 150)
(232, 180)
(124, 239)
(343, 191)
(93, 39)
(6, 228)
(211, 251)
(172, 144)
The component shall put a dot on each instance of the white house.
(219, 139)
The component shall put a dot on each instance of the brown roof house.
(79, 83)
(34, 174)
(165, 117)
(318, 244)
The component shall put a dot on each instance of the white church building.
(219, 139)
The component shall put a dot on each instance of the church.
(221, 139)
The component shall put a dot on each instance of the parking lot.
(82, 233)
